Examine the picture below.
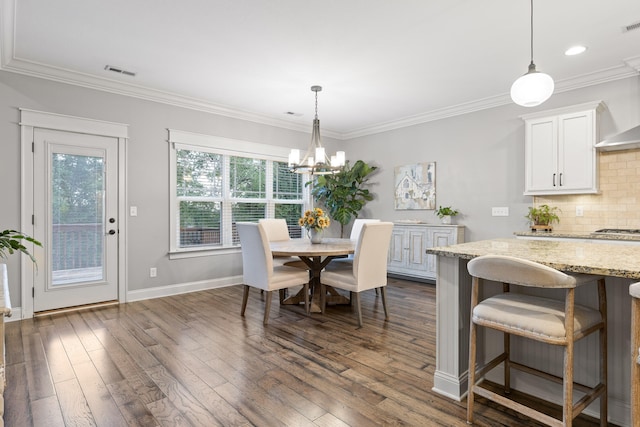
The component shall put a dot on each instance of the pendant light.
(316, 161)
(534, 87)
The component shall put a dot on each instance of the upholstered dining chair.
(538, 318)
(368, 270)
(278, 231)
(634, 291)
(356, 229)
(258, 269)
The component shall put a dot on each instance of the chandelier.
(316, 161)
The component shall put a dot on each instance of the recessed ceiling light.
(575, 50)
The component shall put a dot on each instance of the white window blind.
(217, 182)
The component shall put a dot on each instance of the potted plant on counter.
(446, 213)
(542, 217)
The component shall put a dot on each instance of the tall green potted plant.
(344, 193)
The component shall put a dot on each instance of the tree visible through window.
(214, 191)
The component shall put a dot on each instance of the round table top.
(304, 247)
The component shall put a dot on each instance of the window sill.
(200, 252)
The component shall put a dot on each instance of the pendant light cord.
(532, 31)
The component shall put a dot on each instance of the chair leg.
(472, 351)
(323, 297)
(507, 363)
(267, 307)
(602, 294)
(245, 297)
(472, 371)
(383, 293)
(356, 299)
(307, 306)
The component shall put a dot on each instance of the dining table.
(316, 256)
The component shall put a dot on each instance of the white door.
(75, 218)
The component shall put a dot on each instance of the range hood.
(623, 141)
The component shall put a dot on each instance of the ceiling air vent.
(119, 70)
(631, 27)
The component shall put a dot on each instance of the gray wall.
(479, 164)
(480, 158)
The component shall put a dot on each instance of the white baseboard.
(16, 315)
(158, 292)
(181, 288)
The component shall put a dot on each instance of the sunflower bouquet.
(314, 219)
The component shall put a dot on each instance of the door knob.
(112, 220)
(112, 232)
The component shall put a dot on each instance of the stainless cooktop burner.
(617, 231)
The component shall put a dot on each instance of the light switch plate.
(500, 211)
(133, 211)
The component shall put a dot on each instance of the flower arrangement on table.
(314, 219)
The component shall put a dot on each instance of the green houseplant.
(542, 217)
(12, 241)
(445, 213)
(344, 193)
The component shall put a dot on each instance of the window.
(217, 182)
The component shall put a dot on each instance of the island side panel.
(453, 296)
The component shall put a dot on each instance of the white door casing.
(101, 139)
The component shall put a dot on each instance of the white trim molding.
(31, 120)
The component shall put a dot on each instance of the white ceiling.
(383, 64)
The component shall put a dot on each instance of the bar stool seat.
(538, 318)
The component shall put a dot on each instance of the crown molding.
(9, 62)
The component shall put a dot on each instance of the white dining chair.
(368, 270)
(540, 318)
(278, 231)
(356, 229)
(258, 270)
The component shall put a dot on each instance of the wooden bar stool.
(634, 291)
(538, 318)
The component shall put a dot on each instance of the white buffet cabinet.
(407, 256)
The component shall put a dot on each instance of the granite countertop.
(571, 256)
(569, 235)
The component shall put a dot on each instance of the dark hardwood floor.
(191, 360)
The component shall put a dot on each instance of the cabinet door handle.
(561, 180)
(554, 179)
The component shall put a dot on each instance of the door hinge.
(33, 220)
(33, 147)
(33, 292)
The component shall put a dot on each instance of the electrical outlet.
(153, 272)
(500, 211)
(579, 211)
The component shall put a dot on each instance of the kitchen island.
(621, 266)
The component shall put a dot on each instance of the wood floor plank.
(75, 410)
(192, 360)
(46, 412)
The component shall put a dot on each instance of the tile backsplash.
(616, 206)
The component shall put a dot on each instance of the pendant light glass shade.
(316, 161)
(534, 87)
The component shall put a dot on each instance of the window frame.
(219, 145)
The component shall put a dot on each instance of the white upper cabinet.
(560, 154)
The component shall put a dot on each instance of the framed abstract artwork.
(415, 186)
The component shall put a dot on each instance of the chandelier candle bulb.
(320, 155)
(294, 157)
(341, 158)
